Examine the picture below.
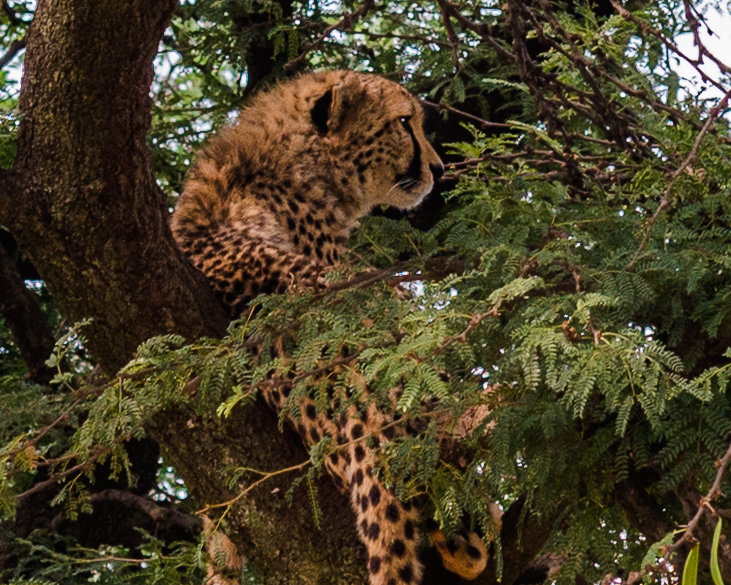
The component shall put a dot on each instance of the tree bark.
(87, 210)
(27, 323)
(83, 203)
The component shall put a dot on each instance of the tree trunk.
(83, 203)
(88, 211)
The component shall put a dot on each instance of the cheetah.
(270, 204)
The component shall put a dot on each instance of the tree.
(564, 353)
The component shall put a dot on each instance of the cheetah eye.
(405, 121)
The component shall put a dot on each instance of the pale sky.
(719, 44)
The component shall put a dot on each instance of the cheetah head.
(381, 124)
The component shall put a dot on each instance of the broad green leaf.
(690, 571)
(715, 569)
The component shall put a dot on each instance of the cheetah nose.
(437, 170)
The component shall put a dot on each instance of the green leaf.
(514, 289)
(690, 571)
(655, 551)
(715, 569)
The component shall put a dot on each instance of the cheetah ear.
(320, 112)
(332, 107)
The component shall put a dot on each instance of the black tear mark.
(414, 170)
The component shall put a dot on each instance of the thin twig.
(704, 505)
(32, 441)
(646, 28)
(451, 34)
(411, 38)
(78, 468)
(665, 201)
(266, 475)
(343, 24)
(481, 29)
(467, 115)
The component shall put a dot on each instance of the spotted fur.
(269, 206)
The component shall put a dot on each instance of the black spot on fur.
(398, 548)
(392, 512)
(375, 495)
(373, 531)
(406, 574)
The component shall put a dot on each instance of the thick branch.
(157, 513)
(14, 48)
(28, 326)
(523, 538)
